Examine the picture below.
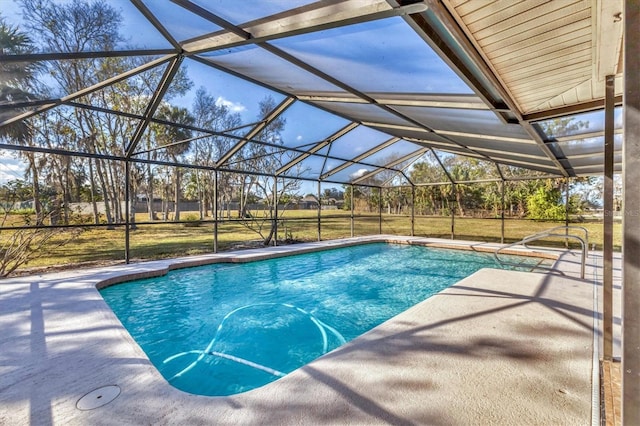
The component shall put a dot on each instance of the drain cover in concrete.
(98, 397)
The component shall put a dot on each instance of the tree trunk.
(165, 197)
(92, 185)
(116, 205)
(149, 193)
(201, 202)
(37, 205)
(246, 192)
(66, 193)
(132, 206)
(459, 202)
(269, 237)
(105, 192)
(176, 193)
(206, 201)
(241, 201)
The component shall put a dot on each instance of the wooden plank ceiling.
(546, 53)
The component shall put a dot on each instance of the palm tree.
(176, 142)
(17, 78)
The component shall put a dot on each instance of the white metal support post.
(631, 219)
(607, 250)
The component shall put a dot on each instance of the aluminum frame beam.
(60, 56)
(360, 157)
(444, 169)
(456, 101)
(305, 66)
(349, 127)
(478, 75)
(569, 110)
(581, 136)
(205, 14)
(320, 74)
(256, 130)
(402, 171)
(331, 14)
(310, 18)
(153, 104)
(389, 166)
(156, 23)
(167, 123)
(90, 89)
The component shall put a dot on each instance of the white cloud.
(10, 169)
(233, 107)
(299, 138)
(359, 173)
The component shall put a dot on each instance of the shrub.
(546, 204)
(192, 220)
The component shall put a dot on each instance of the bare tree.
(266, 159)
(210, 114)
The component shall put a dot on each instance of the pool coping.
(256, 254)
(69, 323)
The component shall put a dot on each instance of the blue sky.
(238, 95)
(388, 49)
(10, 167)
(325, 50)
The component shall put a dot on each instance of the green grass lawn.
(166, 239)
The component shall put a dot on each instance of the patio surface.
(499, 347)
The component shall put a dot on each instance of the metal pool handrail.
(584, 242)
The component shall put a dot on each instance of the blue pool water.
(227, 328)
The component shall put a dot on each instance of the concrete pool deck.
(499, 347)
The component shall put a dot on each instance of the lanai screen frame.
(427, 19)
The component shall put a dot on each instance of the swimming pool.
(227, 328)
